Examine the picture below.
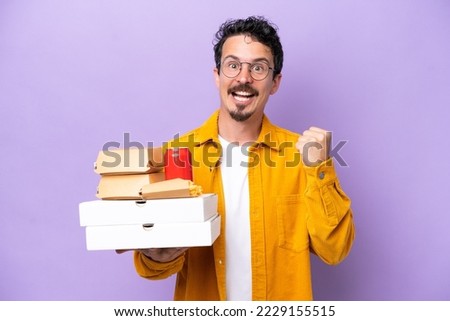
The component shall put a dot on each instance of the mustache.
(244, 87)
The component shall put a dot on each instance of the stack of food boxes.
(138, 208)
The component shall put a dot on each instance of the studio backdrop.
(75, 75)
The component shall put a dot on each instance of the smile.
(242, 96)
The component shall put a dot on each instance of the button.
(321, 175)
(220, 262)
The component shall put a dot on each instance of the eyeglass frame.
(232, 59)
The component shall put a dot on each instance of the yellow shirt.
(294, 210)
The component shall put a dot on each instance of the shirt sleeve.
(153, 270)
(330, 218)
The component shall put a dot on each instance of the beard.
(240, 114)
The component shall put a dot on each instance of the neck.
(239, 132)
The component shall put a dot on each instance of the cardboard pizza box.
(158, 235)
(122, 212)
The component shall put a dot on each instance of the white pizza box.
(121, 212)
(159, 235)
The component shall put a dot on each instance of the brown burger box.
(125, 187)
(129, 161)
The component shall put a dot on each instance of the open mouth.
(242, 96)
(243, 93)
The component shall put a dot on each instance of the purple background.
(77, 74)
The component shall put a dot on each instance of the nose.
(245, 76)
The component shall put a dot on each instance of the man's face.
(242, 96)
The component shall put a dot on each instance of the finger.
(163, 254)
(320, 136)
(325, 132)
(303, 140)
(177, 252)
(307, 139)
(318, 129)
(327, 138)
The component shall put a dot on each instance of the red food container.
(177, 163)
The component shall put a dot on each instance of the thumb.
(122, 251)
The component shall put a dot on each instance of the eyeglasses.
(258, 70)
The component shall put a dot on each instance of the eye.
(233, 65)
(258, 68)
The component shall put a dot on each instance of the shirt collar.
(209, 132)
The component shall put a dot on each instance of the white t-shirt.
(237, 224)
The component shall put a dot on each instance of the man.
(276, 207)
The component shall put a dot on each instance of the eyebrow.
(254, 60)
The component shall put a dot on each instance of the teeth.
(241, 98)
(243, 93)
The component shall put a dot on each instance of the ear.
(275, 84)
(216, 77)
